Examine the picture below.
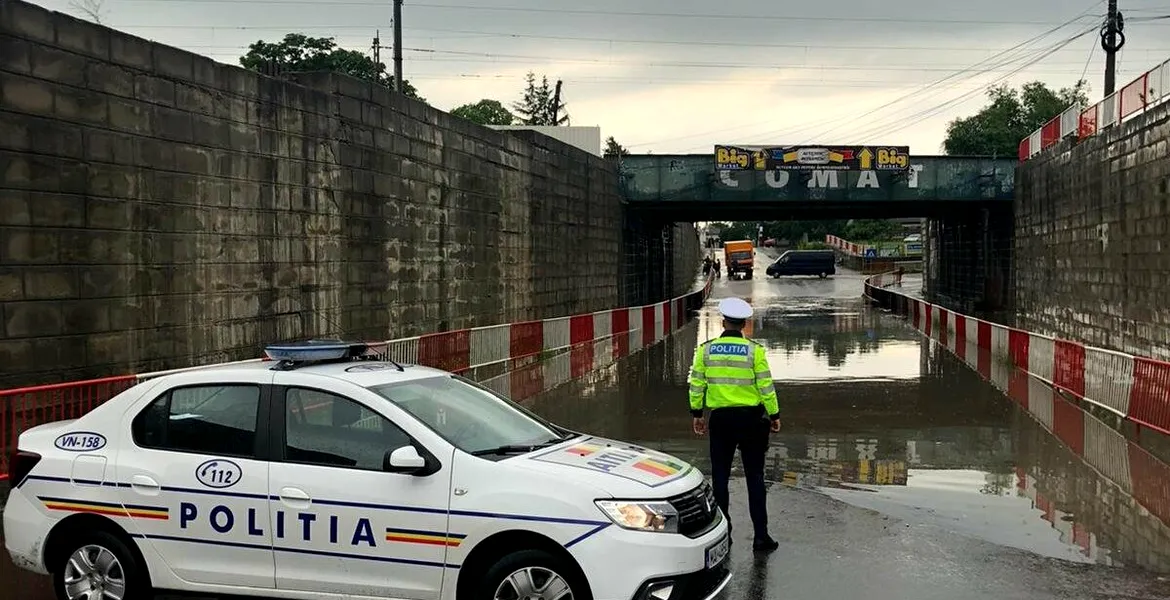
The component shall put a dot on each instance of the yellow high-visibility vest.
(731, 370)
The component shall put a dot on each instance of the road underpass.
(900, 472)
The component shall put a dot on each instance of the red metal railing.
(1082, 122)
(25, 407)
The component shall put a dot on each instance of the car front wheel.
(532, 575)
(99, 566)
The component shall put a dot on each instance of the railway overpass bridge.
(967, 199)
(688, 187)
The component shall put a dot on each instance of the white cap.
(734, 308)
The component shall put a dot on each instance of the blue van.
(821, 263)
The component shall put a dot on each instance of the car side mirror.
(404, 460)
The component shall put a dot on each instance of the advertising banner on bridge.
(812, 158)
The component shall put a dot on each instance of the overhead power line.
(494, 57)
(614, 13)
(920, 93)
(890, 128)
(818, 46)
(982, 67)
(422, 33)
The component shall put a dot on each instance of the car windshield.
(740, 255)
(473, 418)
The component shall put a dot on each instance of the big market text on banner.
(809, 158)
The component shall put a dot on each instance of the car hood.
(618, 468)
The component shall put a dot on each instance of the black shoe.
(766, 544)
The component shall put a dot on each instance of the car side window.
(209, 419)
(326, 429)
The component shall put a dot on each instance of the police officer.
(730, 375)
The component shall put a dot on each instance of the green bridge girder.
(687, 187)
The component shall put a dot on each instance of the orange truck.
(738, 257)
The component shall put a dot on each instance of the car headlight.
(641, 516)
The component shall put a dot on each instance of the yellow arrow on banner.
(836, 157)
(791, 156)
(865, 158)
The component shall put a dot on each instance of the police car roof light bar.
(314, 351)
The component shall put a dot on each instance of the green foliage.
(613, 149)
(1010, 116)
(485, 112)
(872, 230)
(536, 106)
(795, 231)
(814, 246)
(298, 52)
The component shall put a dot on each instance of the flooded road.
(899, 473)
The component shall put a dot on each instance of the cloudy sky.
(682, 75)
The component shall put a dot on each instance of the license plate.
(718, 552)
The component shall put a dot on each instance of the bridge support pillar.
(967, 260)
(660, 259)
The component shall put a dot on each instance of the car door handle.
(145, 485)
(295, 498)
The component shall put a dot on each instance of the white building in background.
(585, 138)
(709, 234)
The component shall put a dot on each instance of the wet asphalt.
(899, 473)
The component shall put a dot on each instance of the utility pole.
(556, 104)
(398, 46)
(1112, 40)
(377, 46)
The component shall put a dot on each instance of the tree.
(298, 52)
(872, 230)
(613, 149)
(1010, 116)
(536, 107)
(485, 112)
(89, 8)
(857, 230)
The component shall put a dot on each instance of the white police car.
(327, 473)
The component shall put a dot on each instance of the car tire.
(537, 567)
(124, 574)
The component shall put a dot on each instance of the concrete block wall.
(686, 256)
(158, 209)
(1092, 249)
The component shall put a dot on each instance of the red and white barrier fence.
(846, 246)
(533, 357)
(1140, 94)
(1033, 370)
(1133, 387)
(1133, 469)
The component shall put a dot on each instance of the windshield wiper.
(507, 449)
(516, 448)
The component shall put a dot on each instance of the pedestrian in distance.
(717, 268)
(730, 376)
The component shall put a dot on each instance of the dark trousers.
(744, 428)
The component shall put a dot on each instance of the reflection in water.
(819, 339)
(915, 435)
